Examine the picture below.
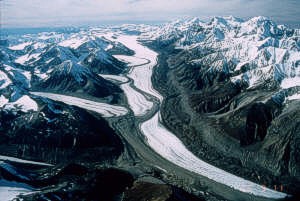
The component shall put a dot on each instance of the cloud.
(78, 12)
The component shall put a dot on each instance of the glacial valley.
(188, 110)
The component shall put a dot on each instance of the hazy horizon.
(57, 13)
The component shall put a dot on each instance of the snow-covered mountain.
(209, 82)
(255, 51)
(230, 80)
(58, 61)
(70, 76)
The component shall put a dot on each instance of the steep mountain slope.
(248, 51)
(102, 63)
(39, 129)
(72, 77)
(231, 81)
(59, 62)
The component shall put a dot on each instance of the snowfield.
(73, 42)
(104, 109)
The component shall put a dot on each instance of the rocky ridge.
(232, 81)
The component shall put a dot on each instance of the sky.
(45, 13)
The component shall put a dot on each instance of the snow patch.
(20, 75)
(73, 42)
(4, 80)
(110, 46)
(20, 46)
(3, 101)
(294, 97)
(25, 104)
(39, 45)
(43, 76)
(27, 57)
(290, 82)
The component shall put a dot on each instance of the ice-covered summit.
(252, 51)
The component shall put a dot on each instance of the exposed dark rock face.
(259, 118)
(70, 77)
(213, 116)
(206, 90)
(144, 191)
(4, 42)
(282, 140)
(57, 132)
(76, 182)
(53, 55)
(91, 183)
(213, 98)
(104, 64)
(119, 48)
(74, 71)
